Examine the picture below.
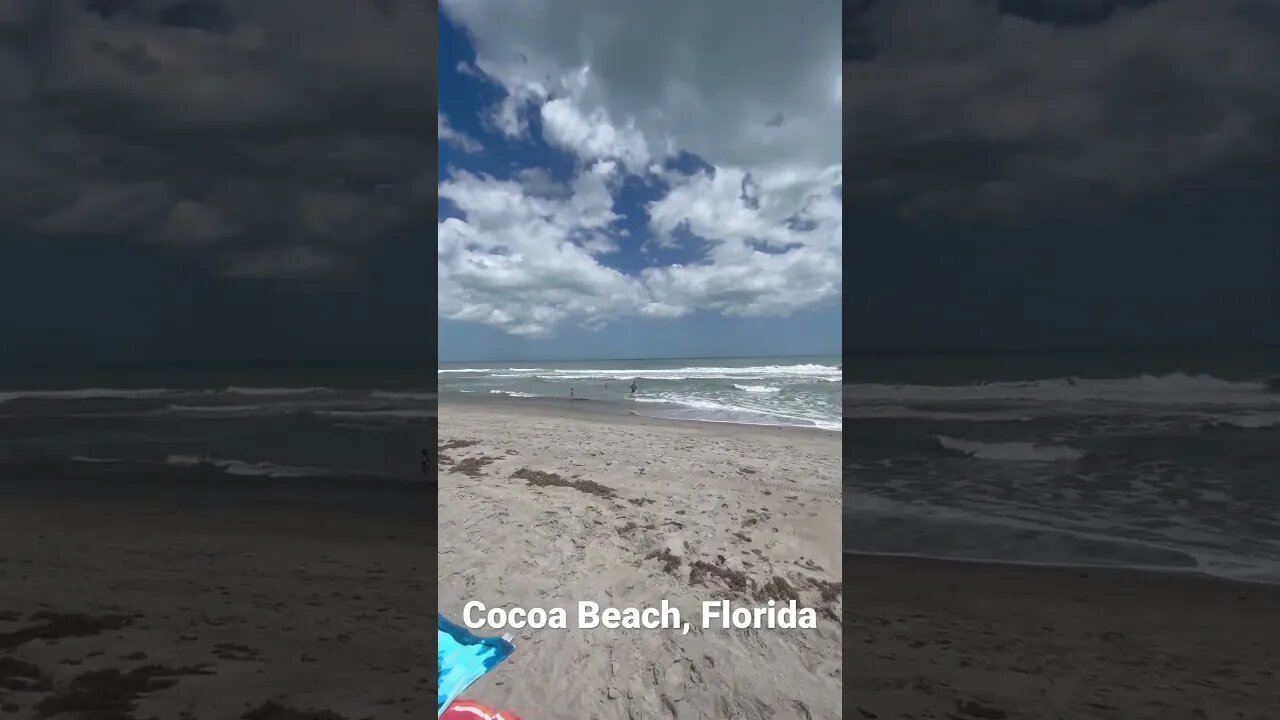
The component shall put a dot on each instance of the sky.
(232, 180)
(632, 180)
(1061, 174)
(191, 181)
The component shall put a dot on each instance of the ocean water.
(282, 422)
(788, 391)
(1167, 461)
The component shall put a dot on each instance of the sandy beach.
(546, 507)
(177, 596)
(940, 639)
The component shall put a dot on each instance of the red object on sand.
(472, 710)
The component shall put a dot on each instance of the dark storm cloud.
(1012, 111)
(1068, 12)
(279, 140)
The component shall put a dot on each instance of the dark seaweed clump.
(544, 479)
(111, 694)
(55, 626)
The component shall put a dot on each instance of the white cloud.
(507, 117)
(526, 263)
(969, 113)
(119, 127)
(762, 206)
(592, 136)
(708, 75)
(774, 241)
(447, 133)
(745, 86)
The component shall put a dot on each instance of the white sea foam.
(803, 371)
(1011, 451)
(1175, 389)
(720, 411)
(997, 533)
(516, 394)
(891, 412)
(405, 414)
(757, 388)
(244, 467)
(85, 394)
(219, 409)
(402, 395)
(754, 392)
(273, 391)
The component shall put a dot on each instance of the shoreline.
(1187, 573)
(1176, 571)
(603, 411)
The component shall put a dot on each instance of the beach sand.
(939, 639)
(241, 592)
(685, 512)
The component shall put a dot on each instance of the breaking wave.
(757, 388)
(86, 394)
(719, 411)
(1174, 389)
(244, 467)
(1011, 451)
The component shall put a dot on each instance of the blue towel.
(461, 658)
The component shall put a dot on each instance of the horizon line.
(671, 357)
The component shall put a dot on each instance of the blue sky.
(810, 332)
(582, 216)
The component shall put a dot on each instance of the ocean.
(277, 422)
(784, 391)
(1168, 461)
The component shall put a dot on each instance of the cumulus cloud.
(752, 89)
(525, 262)
(267, 139)
(999, 111)
(446, 133)
(775, 241)
(593, 136)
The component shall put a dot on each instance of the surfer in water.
(633, 387)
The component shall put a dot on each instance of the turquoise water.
(790, 391)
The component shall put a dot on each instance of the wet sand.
(174, 595)
(546, 507)
(939, 639)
